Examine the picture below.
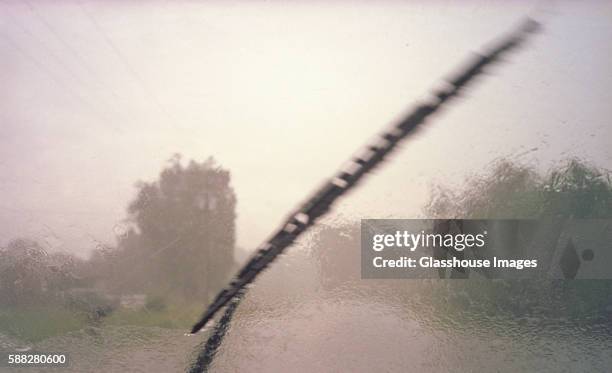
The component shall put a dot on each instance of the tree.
(336, 250)
(574, 189)
(510, 190)
(22, 271)
(183, 234)
(29, 275)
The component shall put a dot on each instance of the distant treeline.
(179, 234)
(507, 190)
(177, 240)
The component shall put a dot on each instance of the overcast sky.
(97, 95)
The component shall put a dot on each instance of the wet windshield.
(148, 149)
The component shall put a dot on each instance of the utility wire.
(42, 65)
(126, 64)
(54, 77)
(77, 56)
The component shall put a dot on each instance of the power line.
(124, 61)
(41, 66)
(55, 78)
(82, 62)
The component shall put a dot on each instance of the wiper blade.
(344, 180)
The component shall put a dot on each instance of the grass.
(38, 323)
(34, 324)
(173, 316)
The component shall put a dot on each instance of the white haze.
(96, 95)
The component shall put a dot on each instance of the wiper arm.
(366, 160)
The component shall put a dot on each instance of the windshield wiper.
(344, 180)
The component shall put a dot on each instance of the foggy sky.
(97, 95)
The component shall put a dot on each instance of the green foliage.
(174, 315)
(182, 234)
(573, 190)
(579, 190)
(33, 324)
(179, 246)
(22, 272)
(89, 302)
(155, 303)
(336, 249)
(510, 190)
(29, 275)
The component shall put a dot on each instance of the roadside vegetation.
(174, 250)
(573, 189)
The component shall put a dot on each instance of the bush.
(155, 303)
